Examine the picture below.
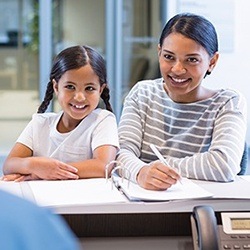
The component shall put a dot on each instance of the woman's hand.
(157, 176)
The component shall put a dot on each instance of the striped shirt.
(202, 140)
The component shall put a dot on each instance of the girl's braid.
(48, 97)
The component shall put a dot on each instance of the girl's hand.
(19, 177)
(50, 169)
(157, 176)
(11, 177)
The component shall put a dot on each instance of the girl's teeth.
(79, 107)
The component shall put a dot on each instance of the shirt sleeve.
(221, 162)
(106, 132)
(26, 136)
(130, 135)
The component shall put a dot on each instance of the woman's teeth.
(179, 80)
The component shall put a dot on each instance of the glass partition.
(18, 68)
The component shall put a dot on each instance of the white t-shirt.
(97, 129)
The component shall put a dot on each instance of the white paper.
(75, 192)
(245, 177)
(186, 190)
(11, 187)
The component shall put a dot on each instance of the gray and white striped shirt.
(202, 140)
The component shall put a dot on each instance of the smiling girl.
(77, 142)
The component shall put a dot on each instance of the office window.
(18, 68)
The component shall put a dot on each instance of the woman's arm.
(221, 162)
(218, 161)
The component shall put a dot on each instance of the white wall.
(233, 69)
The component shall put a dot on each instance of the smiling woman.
(183, 64)
(199, 131)
(80, 140)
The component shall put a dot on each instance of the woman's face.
(183, 65)
(78, 92)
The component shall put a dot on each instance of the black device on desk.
(233, 233)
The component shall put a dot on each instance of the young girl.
(199, 131)
(80, 140)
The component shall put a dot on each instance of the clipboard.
(186, 190)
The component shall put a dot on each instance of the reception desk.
(170, 218)
(138, 218)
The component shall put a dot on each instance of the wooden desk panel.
(117, 225)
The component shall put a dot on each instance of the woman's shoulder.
(230, 92)
(231, 98)
(148, 84)
(147, 88)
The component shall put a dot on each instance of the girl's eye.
(70, 86)
(90, 88)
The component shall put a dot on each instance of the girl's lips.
(78, 106)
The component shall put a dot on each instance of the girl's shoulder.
(48, 117)
(99, 115)
(102, 112)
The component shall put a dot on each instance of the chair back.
(244, 161)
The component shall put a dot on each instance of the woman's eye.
(193, 60)
(168, 57)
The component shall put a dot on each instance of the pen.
(159, 155)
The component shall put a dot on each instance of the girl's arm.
(95, 167)
(21, 161)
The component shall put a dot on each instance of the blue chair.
(244, 161)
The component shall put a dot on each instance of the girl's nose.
(178, 68)
(79, 96)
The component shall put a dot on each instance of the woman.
(199, 131)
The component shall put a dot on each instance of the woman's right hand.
(157, 176)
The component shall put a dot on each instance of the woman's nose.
(178, 68)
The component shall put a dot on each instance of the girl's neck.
(65, 125)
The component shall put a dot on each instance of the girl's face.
(183, 65)
(78, 92)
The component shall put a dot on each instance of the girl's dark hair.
(73, 58)
(194, 27)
